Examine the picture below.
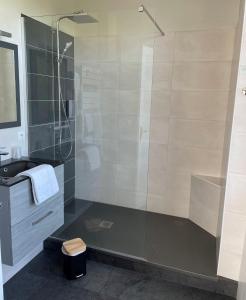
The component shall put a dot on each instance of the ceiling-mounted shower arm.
(142, 9)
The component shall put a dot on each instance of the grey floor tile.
(23, 286)
(120, 280)
(42, 279)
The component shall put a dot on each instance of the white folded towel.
(44, 182)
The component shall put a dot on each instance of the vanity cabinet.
(24, 225)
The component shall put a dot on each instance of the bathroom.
(143, 107)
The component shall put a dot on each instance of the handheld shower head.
(68, 45)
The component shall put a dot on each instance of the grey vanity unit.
(24, 225)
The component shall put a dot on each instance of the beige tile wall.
(190, 90)
(171, 91)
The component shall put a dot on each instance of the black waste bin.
(74, 265)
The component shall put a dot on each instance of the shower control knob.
(244, 91)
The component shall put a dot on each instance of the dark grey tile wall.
(36, 84)
(41, 51)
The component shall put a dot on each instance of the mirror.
(9, 86)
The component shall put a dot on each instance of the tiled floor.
(42, 279)
(160, 239)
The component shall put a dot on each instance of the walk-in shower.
(147, 108)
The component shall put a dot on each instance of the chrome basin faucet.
(3, 152)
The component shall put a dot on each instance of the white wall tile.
(108, 48)
(239, 116)
(237, 158)
(234, 229)
(110, 75)
(200, 105)
(175, 199)
(100, 126)
(108, 101)
(159, 130)
(178, 190)
(160, 103)
(162, 204)
(158, 204)
(158, 156)
(164, 48)
(162, 76)
(131, 199)
(229, 264)
(108, 150)
(130, 49)
(157, 181)
(131, 178)
(129, 102)
(130, 76)
(128, 126)
(236, 189)
(195, 160)
(215, 45)
(87, 49)
(196, 133)
(202, 76)
(132, 153)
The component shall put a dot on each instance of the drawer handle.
(1, 204)
(42, 218)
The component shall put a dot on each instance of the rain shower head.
(82, 18)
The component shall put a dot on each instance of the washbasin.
(9, 169)
(14, 168)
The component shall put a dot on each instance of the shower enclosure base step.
(216, 284)
(168, 247)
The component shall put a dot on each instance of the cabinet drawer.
(31, 232)
(21, 199)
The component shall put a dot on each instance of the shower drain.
(106, 224)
